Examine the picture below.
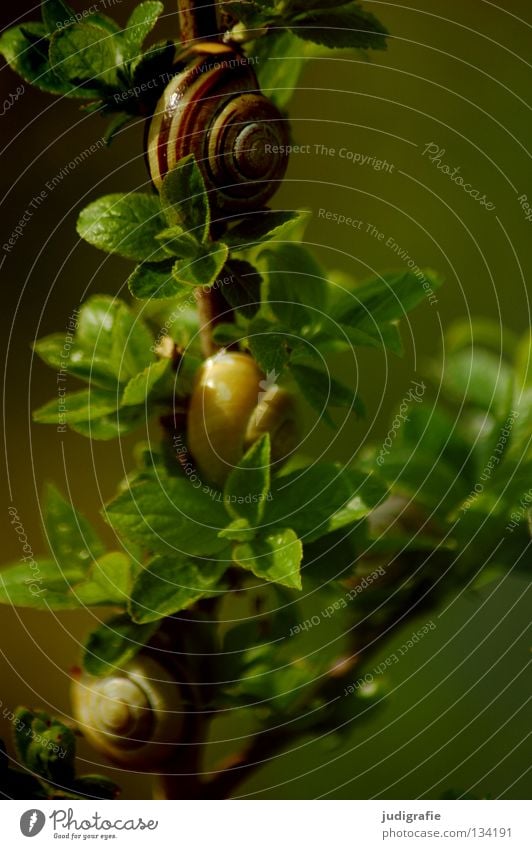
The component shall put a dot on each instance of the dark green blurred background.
(457, 74)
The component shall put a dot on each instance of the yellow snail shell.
(230, 408)
(134, 716)
(214, 109)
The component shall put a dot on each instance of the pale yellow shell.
(134, 716)
(230, 408)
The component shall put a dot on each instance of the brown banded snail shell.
(214, 109)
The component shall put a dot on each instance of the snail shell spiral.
(134, 716)
(213, 108)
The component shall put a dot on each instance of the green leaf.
(87, 55)
(275, 557)
(383, 299)
(108, 582)
(268, 346)
(95, 787)
(25, 48)
(154, 280)
(321, 390)
(185, 200)
(177, 242)
(131, 343)
(82, 406)
(248, 485)
(139, 387)
(263, 226)
(238, 531)
(111, 426)
(347, 26)
(169, 516)
(170, 584)
(114, 644)
(44, 745)
(281, 60)
(71, 538)
(295, 284)
(242, 290)
(56, 14)
(55, 351)
(125, 224)
(42, 585)
(205, 269)
(322, 498)
(139, 25)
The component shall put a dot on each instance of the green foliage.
(88, 56)
(46, 748)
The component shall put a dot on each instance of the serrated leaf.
(205, 269)
(321, 391)
(184, 199)
(70, 537)
(295, 285)
(238, 531)
(87, 55)
(268, 346)
(242, 291)
(383, 299)
(319, 499)
(276, 557)
(140, 386)
(56, 14)
(477, 377)
(177, 242)
(170, 584)
(248, 484)
(139, 25)
(169, 516)
(126, 225)
(131, 344)
(154, 280)
(55, 352)
(108, 581)
(347, 26)
(111, 426)
(79, 406)
(115, 643)
(25, 48)
(264, 226)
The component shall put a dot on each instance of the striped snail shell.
(230, 408)
(134, 716)
(213, 108)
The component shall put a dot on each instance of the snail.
(214, 109)
(231, 406)
(134, 716)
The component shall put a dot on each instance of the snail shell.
(134, 716)
(230, 408)
(213, 108)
